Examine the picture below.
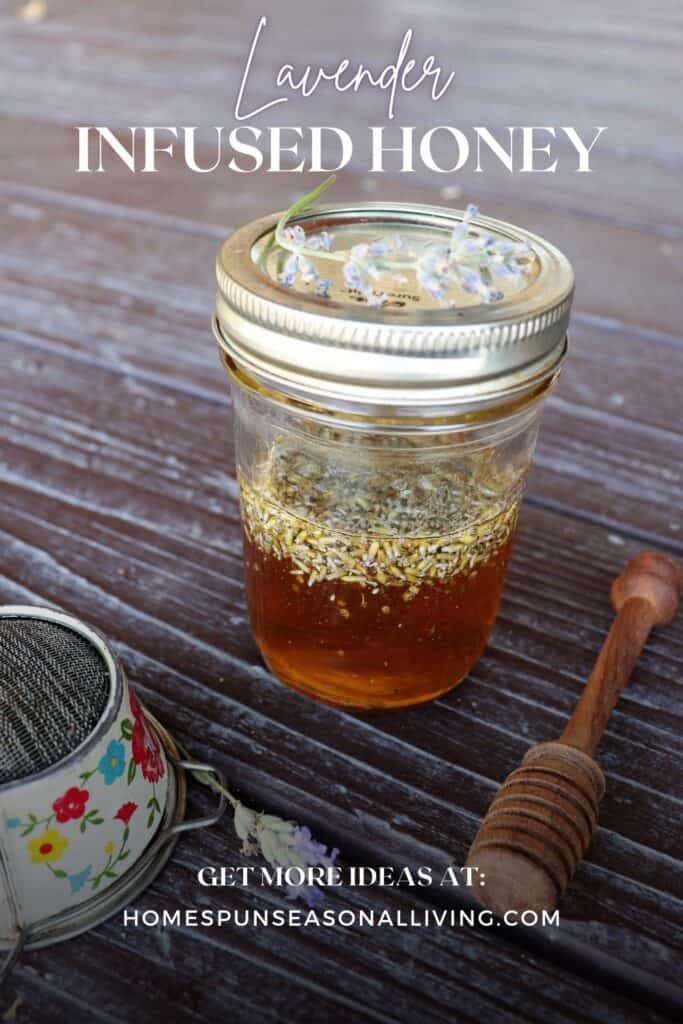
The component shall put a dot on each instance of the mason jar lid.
(366, 308)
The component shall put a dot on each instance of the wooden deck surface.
(118, 500)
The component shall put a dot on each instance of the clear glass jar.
(377, 530)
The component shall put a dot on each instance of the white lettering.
(583, 151)
(529, 148)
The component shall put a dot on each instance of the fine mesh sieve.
(54, 687)
(92, 786)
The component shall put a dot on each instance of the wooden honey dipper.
(540, 822)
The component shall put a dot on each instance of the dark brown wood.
(118, 501)
(106, 499)
(542, 819)
(645, 595)
(147, 318)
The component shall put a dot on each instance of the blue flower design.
(113, 764)
(13, 822)
(78, 880)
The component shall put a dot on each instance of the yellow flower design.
(48, 846)
(109, 847)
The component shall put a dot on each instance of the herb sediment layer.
(362, 530)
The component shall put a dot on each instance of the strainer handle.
(12, 957)
(208, 819)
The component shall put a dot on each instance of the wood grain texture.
(644, 595)
(134, 296)
(131, 521)
(608, 252)
(118, 500)
(538, 828)
(542, 818)
(580, 65)
(196, 975)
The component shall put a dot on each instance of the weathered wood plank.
(133, 525)
(250, 971)
(376, 956)
(117, 499)
(612, 194)
(29, 998)
(595, 452)
(121, 68)
(625, 273)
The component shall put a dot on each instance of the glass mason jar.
(384, 431)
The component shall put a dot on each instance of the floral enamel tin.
(84, 838)
(74, 828)
(80, 836)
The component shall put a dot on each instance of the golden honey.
(389, 364)
(349, 607)
(344, 646)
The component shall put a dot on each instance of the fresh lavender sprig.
(300, 265)
(471, 259)
(280, 842)
(367, 263)
(283, 844)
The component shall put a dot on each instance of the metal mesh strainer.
(54, 687)
(85, 772)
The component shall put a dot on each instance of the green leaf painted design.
(92, 817)
(132, 769)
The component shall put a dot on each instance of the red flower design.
(145, 746)
(146, 751)
(134, 706)
(126, 812)
(71, 805)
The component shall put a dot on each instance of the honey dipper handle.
(645, 595)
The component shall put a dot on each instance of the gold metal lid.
(401, 342)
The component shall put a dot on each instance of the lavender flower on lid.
(471, 261)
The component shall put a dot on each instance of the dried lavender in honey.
(385, 525)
